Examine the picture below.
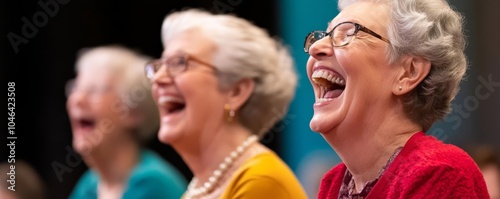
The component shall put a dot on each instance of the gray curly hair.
(433, 30)
(244, 51)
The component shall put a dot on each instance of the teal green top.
(152, 178)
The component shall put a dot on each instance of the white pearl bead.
(212, 180)
(228, 160)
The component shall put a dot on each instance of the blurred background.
(40, 60)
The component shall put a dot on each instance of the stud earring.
(400, 88)
(230, 113)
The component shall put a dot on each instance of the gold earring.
(400, 88)
(230, 113)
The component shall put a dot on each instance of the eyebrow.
(353, 20)
(178, 52)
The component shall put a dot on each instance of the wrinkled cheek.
(113, 114)
(108, 125)
(309, 65)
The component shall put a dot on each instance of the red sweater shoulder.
(331, 181)
(425, 168)
(429, 168)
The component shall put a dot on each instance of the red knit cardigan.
(425, 168)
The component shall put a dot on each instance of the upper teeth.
(162, 100)
(328, 75)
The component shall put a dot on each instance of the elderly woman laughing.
(383, 72)
(217, 86)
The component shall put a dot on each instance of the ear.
(413, 71)
(240, 93)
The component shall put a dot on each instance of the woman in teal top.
(152, 178)
(112, 114)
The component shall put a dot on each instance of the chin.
(321, 124)
(82, 146)
(327, 119)
(167, 136)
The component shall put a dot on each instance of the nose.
(321, 48)
(161, 77)
(77, 99)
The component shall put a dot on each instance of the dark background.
(42, 66)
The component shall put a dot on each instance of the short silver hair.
(433, 30)
(244, 51)
(135, 89)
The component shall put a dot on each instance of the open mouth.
(171, 104)
(85, 124)
(331, 85)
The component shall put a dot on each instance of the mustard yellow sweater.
(264, 176)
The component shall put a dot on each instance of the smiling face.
(93, 109)
(191, 102)
(353, 83)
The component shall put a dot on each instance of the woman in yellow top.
(221, 84)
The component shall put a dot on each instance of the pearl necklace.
(208, 186)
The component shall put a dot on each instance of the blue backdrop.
(305, 151)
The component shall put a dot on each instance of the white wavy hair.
(135, 89)
(433, 30)
(244, 51)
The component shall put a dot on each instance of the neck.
(113, 161)
(210, 149)
(367, 148)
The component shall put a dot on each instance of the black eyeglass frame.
(357, 28)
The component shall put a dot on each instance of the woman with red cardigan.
(383, 72)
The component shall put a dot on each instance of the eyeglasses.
(340, 35)
(174, 65)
